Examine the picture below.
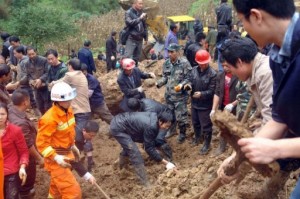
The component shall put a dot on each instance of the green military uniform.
(173, 75)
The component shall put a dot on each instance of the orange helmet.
(128, 63)
(202, 57)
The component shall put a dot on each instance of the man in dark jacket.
(198, 27)
(224, 97)
(37, 73)
(5, 47)
(203, 84)
(111, 51)
(135, 20)
(56, 68)
(193, 48)
(141, 127)
(17, 115)
(130, 83)
(150, 105)
(85, 55)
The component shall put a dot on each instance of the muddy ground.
(194, 174)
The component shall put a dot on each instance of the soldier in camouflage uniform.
(176, 73)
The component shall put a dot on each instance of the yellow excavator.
(158, 25)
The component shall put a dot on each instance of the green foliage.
(94, 6)
(37, 25)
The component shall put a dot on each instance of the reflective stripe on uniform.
(47, 151)
(50, 196)
(65, 125)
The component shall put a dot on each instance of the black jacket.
(205, 82)
(198, 27)
(137, 26)
(142, 128)
(128, 88)
(191, 53)
(111, 47)
(150, 105)
(224, 15)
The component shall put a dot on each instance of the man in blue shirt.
(269, 21)
(85, 55)
(171, 38)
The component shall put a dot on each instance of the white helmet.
(62, 92)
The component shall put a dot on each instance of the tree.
(37, 25)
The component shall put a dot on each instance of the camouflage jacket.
(174, 74)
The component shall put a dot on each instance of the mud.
(194, 174)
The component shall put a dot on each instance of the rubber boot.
(182, 134)
(171, 131)
(141, 174)
(221, 148)
(206, 145)
(196, 139)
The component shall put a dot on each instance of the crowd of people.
(64, 96)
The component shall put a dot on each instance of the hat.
(173, 47)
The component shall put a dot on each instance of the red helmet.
(128, 63)
(202, 57)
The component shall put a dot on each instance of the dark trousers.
(128, 145)
(111, 64)
(42, 97)
(133, 49)
(103, 112)
(12, 185)
(30, 180)
(201, 120)
(80, 120)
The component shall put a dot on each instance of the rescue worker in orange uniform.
(56, 142)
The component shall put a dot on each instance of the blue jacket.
(286, 96)
(171, 38)
(85, 56)
(97, 97)
(128, 88)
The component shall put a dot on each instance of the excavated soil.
(194, 173)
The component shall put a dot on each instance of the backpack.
(123, 35)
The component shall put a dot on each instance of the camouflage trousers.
(180, 109)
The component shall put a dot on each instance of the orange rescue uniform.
(56, 134)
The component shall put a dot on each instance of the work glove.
(60, 160)
(178, 87)
(187, 87)
(229, 107)
(112, 58)
(212, 112)
(22, 175)
(76, 152)
(152, 75)
(170, 166)
(88, 177)
(140, 89)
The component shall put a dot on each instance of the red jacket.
(14, 148)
